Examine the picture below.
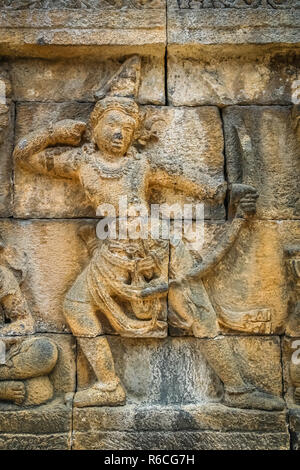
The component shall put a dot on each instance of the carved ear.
(125, 82)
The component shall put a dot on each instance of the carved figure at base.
(16, 316)
(24, 376)
(27, 362)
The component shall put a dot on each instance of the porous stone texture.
(7, 113)
(270, 156)
(159, 342)
(233, 75)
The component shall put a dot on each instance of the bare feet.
(94, 396)
(13, 391)
(255, 400)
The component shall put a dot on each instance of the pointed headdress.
(120, 92)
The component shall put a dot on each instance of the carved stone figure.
(24, 374)
(125, 279)
(15, 313)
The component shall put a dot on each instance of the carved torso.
(104, 182)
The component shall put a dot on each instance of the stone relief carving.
(15, 313)
(293, 268)
(24, 374)
(74, 4)
(254, 4)
(126, 281)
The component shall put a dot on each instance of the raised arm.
(32, 151)
(243, 205)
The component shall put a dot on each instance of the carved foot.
(12, 391)
(18, 327)
(94, 396)
(254, 400)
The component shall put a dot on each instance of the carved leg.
(191, 308)
(108, 390)
(85, 325)
(238, 393)
(34, 357)
(14, 305)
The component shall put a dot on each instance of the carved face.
(114, 133)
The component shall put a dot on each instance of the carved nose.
(118, 135)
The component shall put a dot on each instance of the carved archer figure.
(124, 280)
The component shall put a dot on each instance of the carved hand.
(243, 200)
(67, 132)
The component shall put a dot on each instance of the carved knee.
(44, 354)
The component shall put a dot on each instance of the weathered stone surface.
(54, 257)
(263, 149)
(7, 111)
(294, 420)
(86, 4)
(231, 26)
(34, 441)
(216, 4)
(291, 373)
(185, 440)
(77, 80)
(204, 417)
(232, 77)
(34, 33)
(156, 342)
(190, 142)
(40, 195)
(52, 418)
(149, 368)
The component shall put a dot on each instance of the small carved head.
(114, 122)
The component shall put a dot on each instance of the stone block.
(231, 26)
(63, 80)
(66, 32)
(225, 77)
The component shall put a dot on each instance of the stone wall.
(150, 344)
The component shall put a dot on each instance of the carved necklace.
(107, 172)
